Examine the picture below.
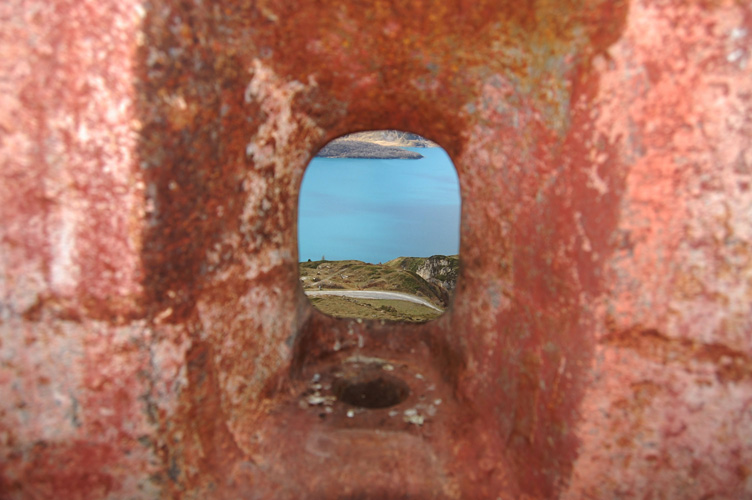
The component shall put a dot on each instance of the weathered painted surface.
(155, 341)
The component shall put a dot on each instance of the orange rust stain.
(730, 366)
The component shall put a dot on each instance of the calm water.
(377, 210)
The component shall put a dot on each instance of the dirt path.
(380, 295)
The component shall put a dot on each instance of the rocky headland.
(441, 271)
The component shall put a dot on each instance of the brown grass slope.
(358, 275)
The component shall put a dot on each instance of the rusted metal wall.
(154, 338)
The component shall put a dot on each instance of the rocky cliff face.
(440, 270)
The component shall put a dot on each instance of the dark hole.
(381, 391)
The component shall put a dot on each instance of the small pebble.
(414, 419)
(315, 399)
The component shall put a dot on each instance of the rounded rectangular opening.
(378, 227)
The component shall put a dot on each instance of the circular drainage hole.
(381, 391)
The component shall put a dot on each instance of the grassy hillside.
(358, 275)
(393, 310)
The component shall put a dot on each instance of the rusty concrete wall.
(154, 341)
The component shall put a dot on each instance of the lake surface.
(377, 210)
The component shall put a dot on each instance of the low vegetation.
(393, 310)
(358, 275)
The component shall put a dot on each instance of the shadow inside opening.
(382, 391)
